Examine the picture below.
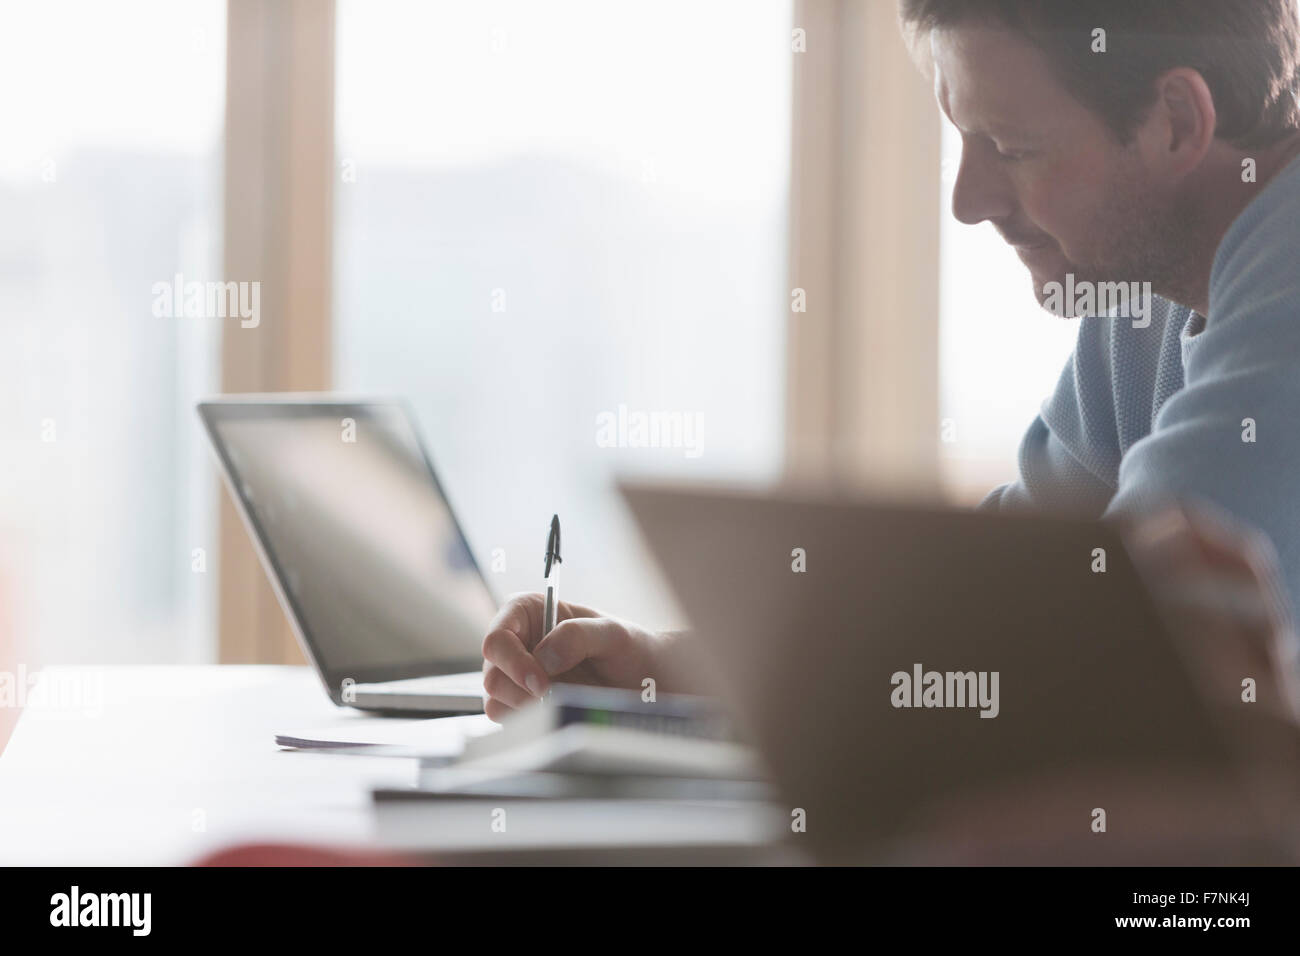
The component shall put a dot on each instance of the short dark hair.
(1248, 51)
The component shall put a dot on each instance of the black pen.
(552, 576)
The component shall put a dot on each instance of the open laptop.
(807, 609)
(362, 548)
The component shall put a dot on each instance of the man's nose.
(982, 191)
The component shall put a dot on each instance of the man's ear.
(1179, 129)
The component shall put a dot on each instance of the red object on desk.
(289, 854)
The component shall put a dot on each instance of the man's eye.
(1012, 154)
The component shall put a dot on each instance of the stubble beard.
(1138, 239)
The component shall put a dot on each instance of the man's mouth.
(1028, 243)
(1033, 252)
(1023, 240)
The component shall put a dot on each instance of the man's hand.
(1217, 582)
(585, 647)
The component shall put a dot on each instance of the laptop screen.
(357, 531)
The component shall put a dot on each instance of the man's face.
(1045, 170)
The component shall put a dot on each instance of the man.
(1108, 141)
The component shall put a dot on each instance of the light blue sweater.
(1144, 416)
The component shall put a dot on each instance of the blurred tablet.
(899, 664)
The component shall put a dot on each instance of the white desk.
(180, 761)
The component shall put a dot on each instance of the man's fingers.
(496, 710)
(1196, 562)
(1164, 542)
(568, 610)
(498, 685)
(521, 616)
(1203, 534)
(512, 675)
(1218, 581)
(574, 641)
(504, 649)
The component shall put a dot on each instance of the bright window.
(110, 165)
(561, 232)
